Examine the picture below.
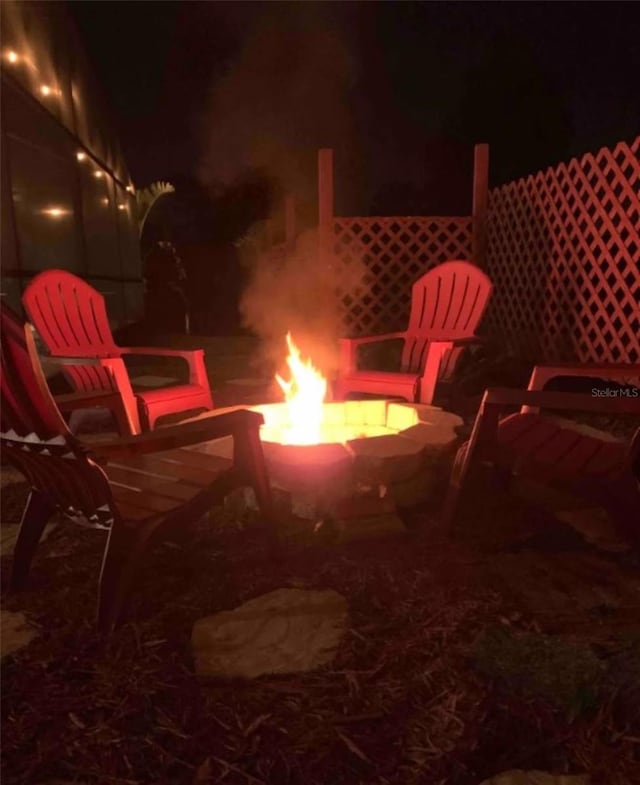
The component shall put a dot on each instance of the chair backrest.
(71, 318)
(447, 302)
(69, 314)
(34, 437)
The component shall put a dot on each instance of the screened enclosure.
(67, 197)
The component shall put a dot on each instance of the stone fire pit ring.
(394, 455)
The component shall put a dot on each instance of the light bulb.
(55, 212)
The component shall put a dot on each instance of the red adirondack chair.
(555, 451)
(138, 488)
(447, 304)
(71, 318)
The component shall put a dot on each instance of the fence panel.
(388, 254)
(564, 256)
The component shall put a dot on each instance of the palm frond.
(147, 197)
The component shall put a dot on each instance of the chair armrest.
(501, 398)
(193, 357)
(542, 374)
(203, 429)
(442, 344)
(431, 368)
(159, 352)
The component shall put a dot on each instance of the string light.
(46, 90)
(56, 212)
(122, 207)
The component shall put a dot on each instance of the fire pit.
(346, 467)
(377, 456)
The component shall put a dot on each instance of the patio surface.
(516, 644)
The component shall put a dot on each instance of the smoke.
(286, 95)
(295, 290)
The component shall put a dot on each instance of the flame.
(304, 394)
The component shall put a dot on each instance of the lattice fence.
(378, 259)
(564, 255)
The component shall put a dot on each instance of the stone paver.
(15, 632)
(9, 535)
(285, 631)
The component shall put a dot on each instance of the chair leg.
(339, 391)
(249, 461)
(127, 419)
(37, 512)
(127, 544)
(459, 474)
(122, 556)
(147, 421)
(429, 378)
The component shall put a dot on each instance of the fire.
(304, 394)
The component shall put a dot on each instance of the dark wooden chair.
(85, 482)
(555, 451)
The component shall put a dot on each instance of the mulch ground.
(514, 645)
(448, 673)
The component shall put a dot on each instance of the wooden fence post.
(325, 200)
(289, 221)
(480, 203)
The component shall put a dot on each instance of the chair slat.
(606, 460)
(144, 500)
(177, 490)
(526, 436)
(169, 469)
(203, 460)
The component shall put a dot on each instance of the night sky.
(209, 90)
